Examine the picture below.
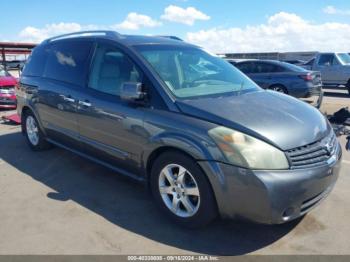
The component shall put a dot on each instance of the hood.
(8, 81)
(278, 119)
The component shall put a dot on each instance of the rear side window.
(36, 62)
(67, 62)
(266, 68)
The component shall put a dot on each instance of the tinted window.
(326, 60)
(279, 69)
(265, 68)
(67, 62)
(111, 68)
(293, 68)
(245, 67)
(36, 62)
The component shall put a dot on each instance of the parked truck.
(334, 68)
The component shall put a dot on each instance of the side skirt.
(116, 169)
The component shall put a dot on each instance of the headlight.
(246, 151)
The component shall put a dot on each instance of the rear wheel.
(279, 88)
(182, 191)
(34, 136)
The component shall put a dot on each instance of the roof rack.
(111, 34)
(172, 37)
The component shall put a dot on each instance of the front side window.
(67, 62)
(326, 60)
(192, 72)
(111, 68)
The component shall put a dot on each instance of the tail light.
(307, 77)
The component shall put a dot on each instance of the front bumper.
(270, 197)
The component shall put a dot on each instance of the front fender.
(179, 141)
(197, 148)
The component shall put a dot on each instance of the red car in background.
(7, 90)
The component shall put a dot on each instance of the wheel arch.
(165, 149)
(159, 151)
(24, 110)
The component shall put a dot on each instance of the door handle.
(67, 98)
(84, 103)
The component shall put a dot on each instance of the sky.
(220, 26)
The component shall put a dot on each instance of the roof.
(131, 40)
(259, 60)
(134, 40)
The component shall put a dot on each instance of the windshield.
(344, 58)
(192, 72)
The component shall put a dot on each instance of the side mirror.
(132, 91)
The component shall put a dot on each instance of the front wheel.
(182, 191)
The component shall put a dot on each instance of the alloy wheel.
(278, 89)
(32, 130)
(179, 190)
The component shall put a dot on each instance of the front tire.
(182, 190)
(34, 136)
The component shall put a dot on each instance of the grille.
(314, 154)
(7, 87)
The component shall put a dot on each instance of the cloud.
(135, 21)
(331, 10)
(36, 35)
(184, 16)
(282, 32)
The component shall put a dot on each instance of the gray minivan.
(205, 138)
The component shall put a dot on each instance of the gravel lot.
(55, 202)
